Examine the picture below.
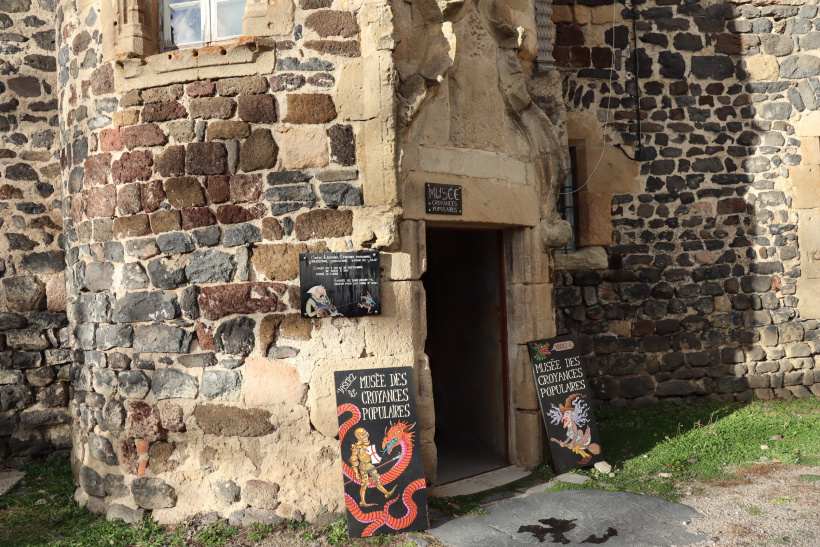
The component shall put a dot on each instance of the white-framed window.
(191, 23)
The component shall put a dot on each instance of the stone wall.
(196, 384)
(34, 352)
(708, 288)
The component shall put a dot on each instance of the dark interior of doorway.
(466, 336)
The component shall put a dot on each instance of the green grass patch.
(810, 478)
(684, 443)
(59, 521)
(702, 442)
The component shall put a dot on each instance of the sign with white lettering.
(385, 490)
(566, 403)
(442, 199)
(340, 284)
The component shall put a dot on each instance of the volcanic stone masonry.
(709, 281)
(34, 339)
(154, 204)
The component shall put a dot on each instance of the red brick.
(197, 217)
(171, 163)
(111, 140)
(580, 57)
(162, 112)
(101, 201)
(144, 135)
(97, 168)
(257, 108)
(183, 192)
(205, 158)
(232, 214)
(601, 57)
(568, 34)
(133, 166)
(310, 108)
(133, 226)
(561, 56)
(223, 300)
(128, 199)
(219, 189)
(205, 88)
(152, 195)
(333, 23)
(205, 336)
(246, 188)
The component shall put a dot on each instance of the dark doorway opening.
(466, 341)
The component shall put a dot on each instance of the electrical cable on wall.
(608, 103)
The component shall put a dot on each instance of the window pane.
(186, 25)
(229, 18)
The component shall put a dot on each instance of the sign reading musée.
(566, 402)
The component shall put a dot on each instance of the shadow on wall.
(700, 296)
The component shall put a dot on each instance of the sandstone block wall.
(708, 287)
(34, 352)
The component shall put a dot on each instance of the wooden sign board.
(442, 199)
(340, 284)
(385, 490)
(566, 403)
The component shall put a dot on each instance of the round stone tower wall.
(192, 181)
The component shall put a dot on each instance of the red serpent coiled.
(380, 518)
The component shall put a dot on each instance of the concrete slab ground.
(8, 480)
(578, 517)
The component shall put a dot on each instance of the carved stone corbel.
(137, 27)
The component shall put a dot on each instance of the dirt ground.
(769, 505)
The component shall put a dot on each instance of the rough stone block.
(270, 382)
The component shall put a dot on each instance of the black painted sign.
(385, 490)
(566, 403)
(340, 284)
(442, 199)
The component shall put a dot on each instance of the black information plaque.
(442, 199)
(566, 403)
(385, 490)
(340, 284)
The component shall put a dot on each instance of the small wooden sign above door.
(566, 403)
(340, 284)
(385, 490)
(442, 199)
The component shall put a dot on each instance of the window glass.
(229, 15)
(186, 23)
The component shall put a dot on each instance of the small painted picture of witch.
(574, 415)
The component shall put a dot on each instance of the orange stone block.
(142, 446)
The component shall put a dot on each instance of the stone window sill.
(583, 258)
(242, 56)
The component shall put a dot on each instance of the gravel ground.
(769, 505)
